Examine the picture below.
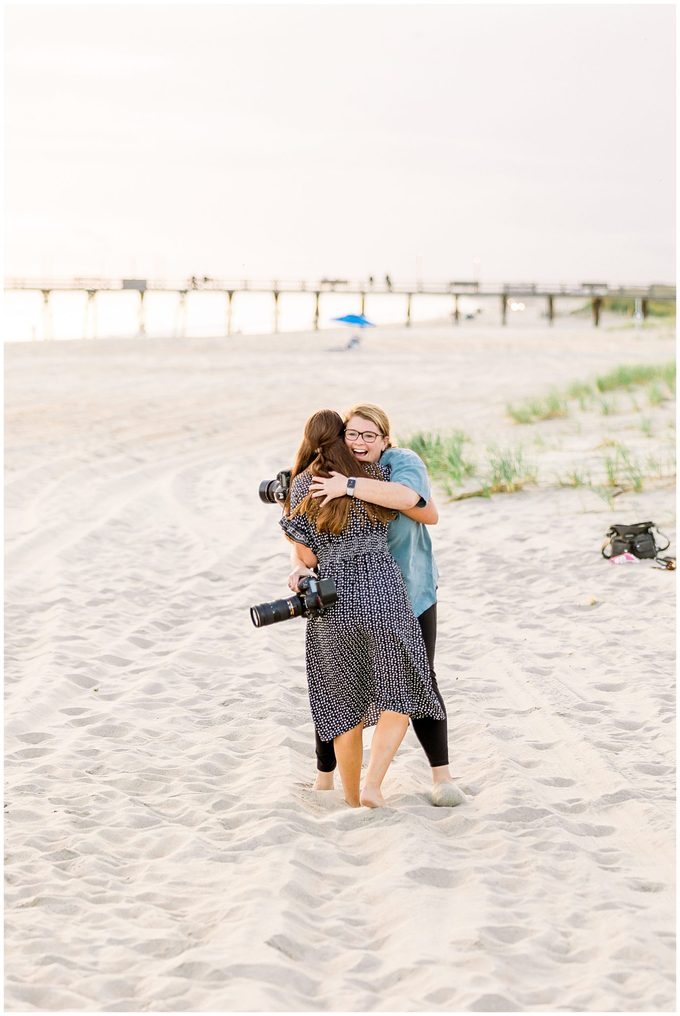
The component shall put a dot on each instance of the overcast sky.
(299, 141)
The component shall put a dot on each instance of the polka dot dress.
(366, 652)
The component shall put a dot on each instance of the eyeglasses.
(369, 436)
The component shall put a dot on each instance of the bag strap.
(607, 543)
(668, 542)
(665, 563)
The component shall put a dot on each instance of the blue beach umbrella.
(355, 319)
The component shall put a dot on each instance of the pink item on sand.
(625, 558)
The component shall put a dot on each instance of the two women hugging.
(357, 511)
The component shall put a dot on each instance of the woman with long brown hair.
(367, 435)
(366, 658)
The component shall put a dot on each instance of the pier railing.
(593, 292)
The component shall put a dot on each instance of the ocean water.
(116, 314)
(204, 315)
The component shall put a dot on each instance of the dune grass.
(657, 381)
(636, 375)
(655, 395)
(507, 471)
(619, 470)
(575, 478)
(551, 407)
(624, 470)
(443, 454)
(581, 392)
(504, 471)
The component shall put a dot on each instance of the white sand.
(164, 849)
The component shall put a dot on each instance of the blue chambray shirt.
(409, 542)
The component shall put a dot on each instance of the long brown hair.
(323, 449)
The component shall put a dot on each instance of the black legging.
(432, 734)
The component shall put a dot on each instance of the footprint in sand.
(440, 878)
(521, 813)
(653, 769)
(584, 829)
(507, 933)
(493, 1003)
(643, 886)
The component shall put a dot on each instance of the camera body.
(314, 596)
(275, 491)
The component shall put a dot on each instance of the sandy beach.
(165, 851)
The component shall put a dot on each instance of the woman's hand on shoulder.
(328, 487)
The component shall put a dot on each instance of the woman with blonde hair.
(367, 436)
(366, 658)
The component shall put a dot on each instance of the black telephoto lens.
(266, 491)
(280, 610)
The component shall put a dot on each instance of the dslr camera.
(275, 491)
(314, 596)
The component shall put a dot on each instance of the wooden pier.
(592, 292)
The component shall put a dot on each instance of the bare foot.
(323, 781)
(354, 803)
(372, 798)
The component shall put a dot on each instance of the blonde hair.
(375, 414)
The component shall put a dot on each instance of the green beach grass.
(506, 470)
(443, 454)
(655, 381)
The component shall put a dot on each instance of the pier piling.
(597, 305)
(182, 313)
(230, 295)
(141, 332)
(92, 306)
(47, 314)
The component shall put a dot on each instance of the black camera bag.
(636, 539)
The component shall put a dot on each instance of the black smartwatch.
(351, 484)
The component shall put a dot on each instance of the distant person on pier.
(388, 282)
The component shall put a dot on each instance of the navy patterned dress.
(366, 652)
